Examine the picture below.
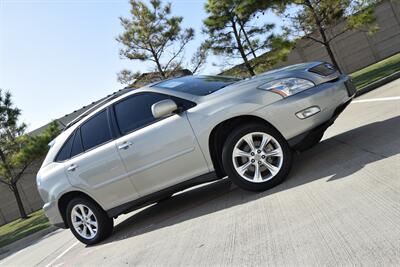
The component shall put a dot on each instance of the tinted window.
(197, 85)
(65, 151)
(135, 112)
(95, 131)
(183, 103)
(77, 147)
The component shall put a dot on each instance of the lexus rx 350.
(142, 146)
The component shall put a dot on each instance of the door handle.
(124, 145)
(72, 168)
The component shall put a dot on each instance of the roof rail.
(98, 104)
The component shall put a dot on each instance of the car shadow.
(334, 158)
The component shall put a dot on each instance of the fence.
(29, 194)
(355, 50)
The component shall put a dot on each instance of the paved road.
(340, 206)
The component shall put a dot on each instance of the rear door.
(96, 166)
(157, 153)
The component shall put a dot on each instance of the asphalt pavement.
(340, 206)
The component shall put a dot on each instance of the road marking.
(14, 255)
(62, 254)
(377, 99)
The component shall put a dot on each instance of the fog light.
(308, 112)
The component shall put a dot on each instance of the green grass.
(18, 229)
(376, 71)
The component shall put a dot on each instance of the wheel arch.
(221, 131)
(66, 198)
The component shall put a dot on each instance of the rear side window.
(135, 112)
(77, 147)
(65, 151)
(95, 131)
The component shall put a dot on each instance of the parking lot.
(340, 206)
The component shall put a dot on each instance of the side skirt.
(156, 196)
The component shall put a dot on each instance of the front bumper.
(351, 88)
(328, 97)
(297, 142)
(53, 214)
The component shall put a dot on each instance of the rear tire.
(88, 221)
(259, 166)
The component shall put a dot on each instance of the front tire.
(88, 221)
(256, 157)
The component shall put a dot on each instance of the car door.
(96, 166)
(157, 153)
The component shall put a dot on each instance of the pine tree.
(316, 19)
(153, 34)
(18, 150)
(232, 33)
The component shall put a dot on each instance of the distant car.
(143, 146)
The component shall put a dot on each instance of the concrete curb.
(378, 84)
(26, 241)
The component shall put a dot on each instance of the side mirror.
(164, 108)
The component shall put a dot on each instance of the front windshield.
(196, 85)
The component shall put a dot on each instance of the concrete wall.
(355, 50)
(29, 194)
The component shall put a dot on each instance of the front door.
(158, 153)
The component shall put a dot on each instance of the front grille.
(323, 69)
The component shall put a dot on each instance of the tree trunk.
(159, 68)
(21, 208)
(241, 50)
(321, 30)
(247, 39)
(332, 56)
(157, 61)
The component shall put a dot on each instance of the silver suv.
(145, 145)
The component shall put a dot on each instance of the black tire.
(228, 164)
(105, 223)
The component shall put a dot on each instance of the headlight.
(287, 86)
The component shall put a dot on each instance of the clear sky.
(59, 55)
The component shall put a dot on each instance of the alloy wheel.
(257, 157)
(84, 221)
